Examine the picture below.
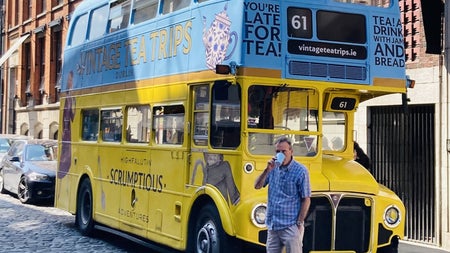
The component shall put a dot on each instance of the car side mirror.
(15, 159)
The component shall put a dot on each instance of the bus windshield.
(285, 111)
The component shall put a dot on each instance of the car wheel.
(2, 186)
(23, 192)
(209, 234)
(84, 219)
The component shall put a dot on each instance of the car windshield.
(4, 145)
(40, 153)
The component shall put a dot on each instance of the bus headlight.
(392, 216)
(258, 215)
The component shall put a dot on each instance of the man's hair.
(284, 139)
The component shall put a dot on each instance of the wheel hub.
(207, 239)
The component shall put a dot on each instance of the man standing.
(288, 200)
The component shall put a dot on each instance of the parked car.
(6, 140)
(29, 169)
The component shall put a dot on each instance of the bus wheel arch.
(84, 218)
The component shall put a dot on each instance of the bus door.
(200, 128)
(216, 135)
(168, 167)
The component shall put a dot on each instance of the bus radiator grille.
(352, 225)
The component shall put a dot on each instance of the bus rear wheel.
(84, 218)
(209, 234)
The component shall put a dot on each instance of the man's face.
(284, 148)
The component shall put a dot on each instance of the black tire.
(2, 185)
(208, 235)
(23, 191)
(84, 216)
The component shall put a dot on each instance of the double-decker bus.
(171, 108)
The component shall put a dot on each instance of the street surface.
(45, 229)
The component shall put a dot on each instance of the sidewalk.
(410, 247)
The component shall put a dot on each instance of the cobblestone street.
(34, 228)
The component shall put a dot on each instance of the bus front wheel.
(84, 219)
(209, 234)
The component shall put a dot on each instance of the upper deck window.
(79, 30)
(119, 15)
(144, 10)
(378, 3)
(99, 20)
(174, 5)
(341, 27)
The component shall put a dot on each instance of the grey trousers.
(290, 238)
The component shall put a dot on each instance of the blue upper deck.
(313, 40)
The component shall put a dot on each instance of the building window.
(55, 85)
(26, 84)
(42, 6)
(27, 9)
(41, 59)
(57, 2)
(16, 17)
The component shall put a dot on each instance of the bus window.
(168, 124)
(111, 125)
(99, 20)
(79, 30)
(283, 108)
(119, 15)
(201, 112)
(333, 131)
(90, 125)
(341, 27)
(138, 123)
(174, 5)
(378, 3)
(226, 115)
(144, 10)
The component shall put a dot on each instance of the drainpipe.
(2, 83)
(443, 164)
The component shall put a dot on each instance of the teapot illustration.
(217, 39)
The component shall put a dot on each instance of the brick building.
(31, 74)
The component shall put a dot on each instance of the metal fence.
(401, 145)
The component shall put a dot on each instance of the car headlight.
(258, 215)
(34, 176)
(392, 216)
